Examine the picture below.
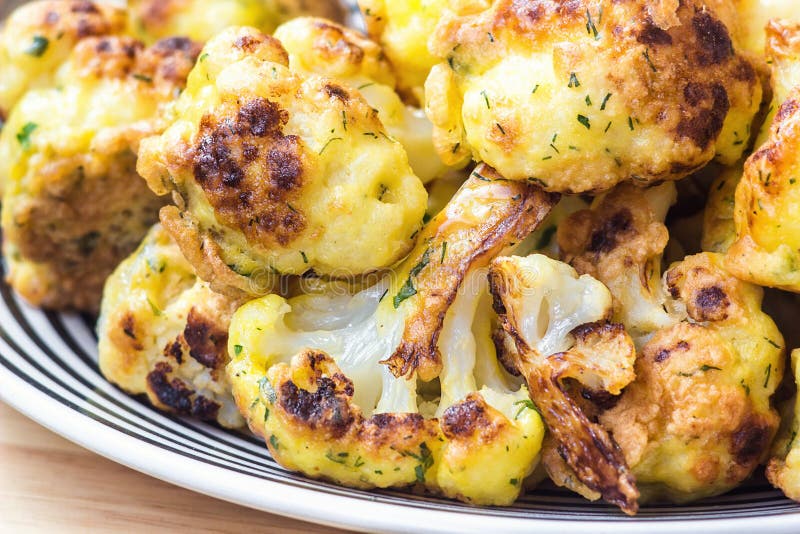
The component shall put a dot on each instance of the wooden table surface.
(49, 483)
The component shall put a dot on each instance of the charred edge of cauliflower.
(783, 470)
(557, 322)
(765, 249)
(698, 419)
(620, 241)
(74, 206)
(620, 101)
(164, 333)
(321, 47)
(307, 372)
(488, 214)
(38, 36)
(278, 172)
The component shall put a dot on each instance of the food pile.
(483, 244)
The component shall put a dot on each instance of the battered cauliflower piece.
(619, 90)
(765, 251)
(276, 171)
(755, 15)
(318, 46)
(620, 241)
(697, 420)
(162, 332)
(73, 206)
(557, 322)
(334, 383)
(39, 36)
(783, 470)
(201, 20)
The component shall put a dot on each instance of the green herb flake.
(305, 258)
(153, 307)
(583, 119)
(502, 131)
(745, 386)
(444, 252)
(202, 57)
(237, 350)
(535, 89)
(605, 101)
(590, 27)
(646, 55)
(273, 440)
(630, 123)
(365, 85)
(24, 134)
(38, 46)
(143, 78)
(768, 373)
(331, 140)
(573, 81)
(513, 481)
(768, 340)
(486, 99)
(523, 404)
(705, 368)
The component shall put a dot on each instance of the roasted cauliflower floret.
(201, 20)
(74, 206)
(333, 382)
(767, 198)
(39, 36)
(403, 29)
(279, 172)
(697, 420)
(164, 333)
(783, 469)
(318, 46)
(620, 241)
(557, 322)
(619, 89)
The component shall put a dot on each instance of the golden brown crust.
(517, 209)
(670, 69)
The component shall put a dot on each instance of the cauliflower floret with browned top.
(342, 386)
(74, 206)
(620, 241)
(279, 172)
(579, 96)
(39, 36)
(201, 20)
(697, 421)
(164, 333)
(765, 250)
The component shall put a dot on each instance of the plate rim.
(324, 509)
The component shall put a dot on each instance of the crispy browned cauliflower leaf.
(164, 333)
(557, 322)
(279, 172)
(73, 205)
(582, 95)
(309, 375)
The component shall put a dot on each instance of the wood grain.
(47, 481)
